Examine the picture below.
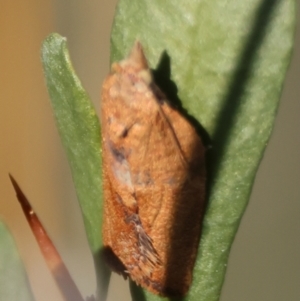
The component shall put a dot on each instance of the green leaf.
(14, 285)
(79, 129)
(228, 60)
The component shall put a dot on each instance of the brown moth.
(153, 181)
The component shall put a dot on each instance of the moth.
(153, 181)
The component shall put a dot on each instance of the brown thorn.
(55, 263)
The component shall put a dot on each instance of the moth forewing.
(153, 181)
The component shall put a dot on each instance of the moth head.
(136, 58)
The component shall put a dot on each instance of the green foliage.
(79, 129)
(14, 285)
(228, 61)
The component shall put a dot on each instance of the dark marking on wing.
(147, 251)
(120, 166)
(117, 153)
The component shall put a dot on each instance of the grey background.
(264, 263)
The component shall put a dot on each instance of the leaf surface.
(79, 130)
(14, 285)
(228, 61)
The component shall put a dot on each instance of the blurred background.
(265, 259)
